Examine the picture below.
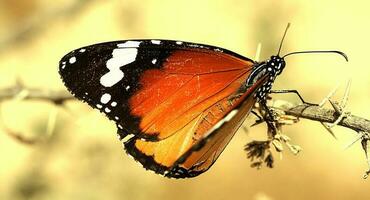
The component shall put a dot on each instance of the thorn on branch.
(338, 107)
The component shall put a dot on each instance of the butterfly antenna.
(282, 40)
(302, 52)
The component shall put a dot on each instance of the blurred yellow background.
(83, 159)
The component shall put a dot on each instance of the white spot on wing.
(105, 98)
(127, 88)
(116, 118)
(194, 45)
(113, 104)
(129, 44)
(121, 57)
(155, 41)
(179, 42)
(82, 50)
(72, 60)
(107, 110)
(99, 106)
(154, 61)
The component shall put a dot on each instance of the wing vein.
(169, 123)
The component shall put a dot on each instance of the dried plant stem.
(21, 93)
(316, 113)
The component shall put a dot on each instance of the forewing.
(152, 88)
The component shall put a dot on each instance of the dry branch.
(316, 113)
(21, 93)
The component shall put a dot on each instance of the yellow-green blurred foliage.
(82, 158)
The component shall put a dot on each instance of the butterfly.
(176, 104)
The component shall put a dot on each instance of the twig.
(316, 113)
(18, 92)
(16, 135)
(20, 137)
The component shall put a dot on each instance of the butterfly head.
(269, 69)
(275, 65)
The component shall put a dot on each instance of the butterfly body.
(180, 102)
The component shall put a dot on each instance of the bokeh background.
(81, 157)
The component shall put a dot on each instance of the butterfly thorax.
(270, 69)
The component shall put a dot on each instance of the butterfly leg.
(260, 119)
(269, 117)
(295, 92)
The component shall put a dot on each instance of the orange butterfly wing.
(201, 156)
(189, 82)
(194, 140)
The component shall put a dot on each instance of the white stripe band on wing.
(121, 57)
(227, 118)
